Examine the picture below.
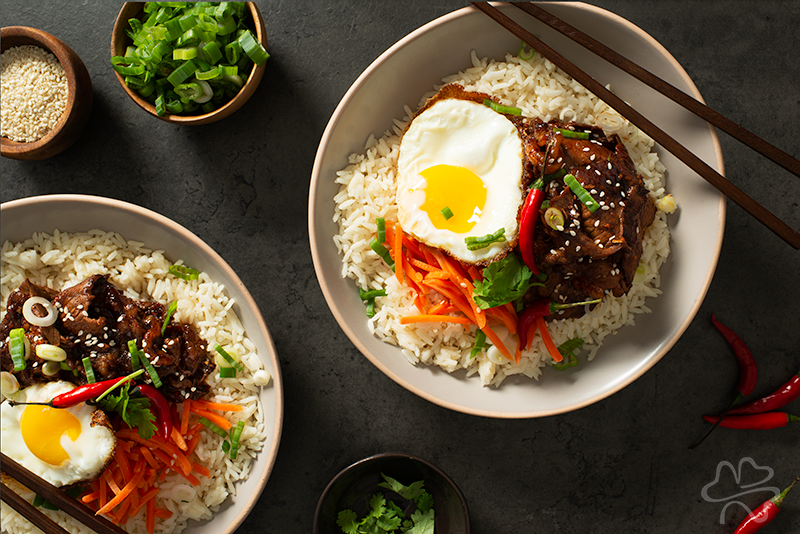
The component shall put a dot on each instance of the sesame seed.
(597, 223)
(577, 249)
(591, 158)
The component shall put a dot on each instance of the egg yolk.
(459, 190)
(42, 428)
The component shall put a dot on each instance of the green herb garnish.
(572, 134)
(477, 243)
(135, 412)
(509, 110)
(446, 212)
(182, 271)
(567, 351)
(581, 192)
(503, 281)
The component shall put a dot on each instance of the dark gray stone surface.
(621, 465)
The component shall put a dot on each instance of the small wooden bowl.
(120, 42)
(79, 97)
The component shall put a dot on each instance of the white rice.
(61, 260)
(368, 191)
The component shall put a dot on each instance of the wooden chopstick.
(673, 93)
(30, 512)
(781, 229)
(57, 497)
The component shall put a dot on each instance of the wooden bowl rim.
(232, 105)
(68, 59)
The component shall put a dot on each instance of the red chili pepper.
(774, 401)
(160, 407)
(527, 224)
(764, 514)
(758, 421)
(84, 393)
(747, 365)
(541, 308)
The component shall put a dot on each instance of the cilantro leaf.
(423, 522)
(424, 501)
(135, 412)
(347, 522)
(407, 492)
(503, 281)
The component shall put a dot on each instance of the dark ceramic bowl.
(120, 41)
(353, 487)
(79, 96)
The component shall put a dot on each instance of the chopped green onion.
(87, 367)
(228, 358)
(16, 347)
(213, 74)
(189, 91)
(501, 108)
(52, 353)
(184, 53)
(522, 50)
(51, 368)
(64, 366)
(382, 251)
(554, 218)
(182, 271)
(381, 223)
(213, 427)
(233, 52)
(254, 50)
(447, 212)
(182, 73)
(236, 434)
(151, 371)
(370, 310)
(226, 447)
(480, 341)
(567, 350)
(170, 310)
(136, 354)
(556, 175)
(212, 52)
(227, 372)
(572, 134)
(582, 194)
(371, 294)
(477, 243)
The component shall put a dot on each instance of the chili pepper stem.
(120, 383)
(778, 499)
(733, 403)
(15, 403)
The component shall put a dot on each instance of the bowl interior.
(353, 487)
(407, 71)
(120, 41)
(78, 213)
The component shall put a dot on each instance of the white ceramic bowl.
(19, 219)
(411, 68)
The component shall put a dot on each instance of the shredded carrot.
(177, 439)
(548, 341)
(442, 307)
(146, 496)
(150, 522)
(139, 469)
(122, 514)
(422, 265)
(508, 321)
(109, 478)
(186, 410)
(162, 513)
(122, 462)
(218, 420)
(193, 480)
(398, 252)
(220, 407)
(434, 318)
(90, 496)
(194, 438)
(438, 274)
(497, 342)
(203, 470)
(147, 455)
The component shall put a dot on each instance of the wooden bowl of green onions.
(189, 65)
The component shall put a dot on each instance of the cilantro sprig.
(503, 281)
(135, 411)
(386, 516)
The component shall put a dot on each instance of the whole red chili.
(748, 373)
(160, 408)
(527, 223)
(764, 514)
(774, 401)
(78, 395)
(541, 308)
(758, 421)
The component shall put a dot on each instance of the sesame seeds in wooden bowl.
(41, 77)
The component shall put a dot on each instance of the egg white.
(466, 134)
(88, 454)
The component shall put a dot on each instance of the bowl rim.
(389, 455)
(61, 51)
(249, 502)
(324, 282)
(220, 113)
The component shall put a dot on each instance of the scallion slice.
(572, 134)
(447, 212)
(170, 310)
(382, 251)
(381, 223)
(87, 367)
(182, 271)
(236, 434)
(477, 243)
(183, 54)
(182, 73)
(16, 346)
(253, 48)
(227, 372)
(216, 429)
(136, 355)
(228, 358)
(371, 294)
(189, 91)
(151, 370)
(580, 192)
(509, 110)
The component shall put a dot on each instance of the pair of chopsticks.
(53, 495)
(784, 231)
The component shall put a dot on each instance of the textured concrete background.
(241, 185)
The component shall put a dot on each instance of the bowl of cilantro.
(392, 493)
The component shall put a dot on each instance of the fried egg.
(460, 174)
(62, 445)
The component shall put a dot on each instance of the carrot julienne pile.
(130, 482)
(425, 269)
